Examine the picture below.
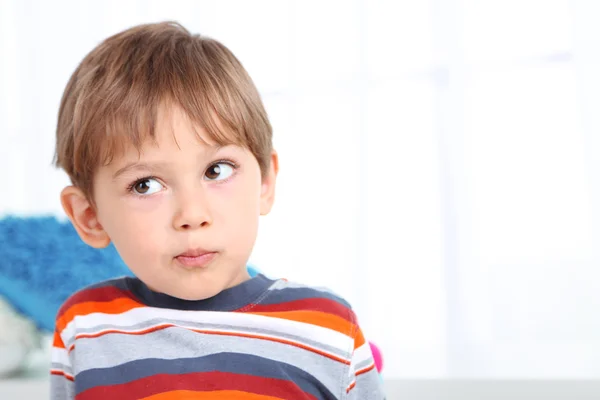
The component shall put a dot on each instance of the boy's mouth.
(196, 258)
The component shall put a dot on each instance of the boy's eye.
(146, 186)
(219, 171)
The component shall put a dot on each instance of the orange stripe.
(364, 370)
(109, 331)
(212, 332)
(57, 342)
(278, 340)
(120, 332)
(104, 293)
(219, 394)
(61, 373)
(116, 306)
(359, 339)
(318, 318)
(351, 386)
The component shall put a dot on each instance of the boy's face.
(183, 213)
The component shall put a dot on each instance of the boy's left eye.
(219, 171)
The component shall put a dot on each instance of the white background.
(439, 161)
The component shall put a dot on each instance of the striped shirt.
(261, 340)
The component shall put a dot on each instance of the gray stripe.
(363, 364)
(173, 343)
(196, 325)
(61, 388)
(62, 367)
(368, 387)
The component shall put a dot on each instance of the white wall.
(439, 161)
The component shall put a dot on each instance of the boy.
(168, 148)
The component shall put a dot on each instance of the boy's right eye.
(146, 186)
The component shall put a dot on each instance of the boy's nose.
(192, 212)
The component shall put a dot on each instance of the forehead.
(172, 129)
(175, 127)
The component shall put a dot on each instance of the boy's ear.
(84, 218)
(267, 194)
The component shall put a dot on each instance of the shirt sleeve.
(62, 382)
(364, 382)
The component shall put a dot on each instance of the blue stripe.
(223, 362)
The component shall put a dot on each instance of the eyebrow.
(145, 166)
(137, 166)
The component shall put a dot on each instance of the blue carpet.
(43, 261)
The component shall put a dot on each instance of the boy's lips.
(196, 258)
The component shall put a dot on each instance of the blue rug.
(43, 261)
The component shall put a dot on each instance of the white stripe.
(135, 316)
(362, 354)
(60, 356)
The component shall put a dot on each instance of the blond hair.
(113, 97)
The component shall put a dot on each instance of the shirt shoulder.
(310, 304)
(110, 296)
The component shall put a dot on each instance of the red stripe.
(316, 304)
(101, 294)
(212, 332)
(197, 381)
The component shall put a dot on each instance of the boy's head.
(169, 150)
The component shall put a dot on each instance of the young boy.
(168, 148)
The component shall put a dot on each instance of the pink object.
(377, 356)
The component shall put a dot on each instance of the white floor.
(36, 388)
